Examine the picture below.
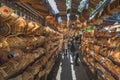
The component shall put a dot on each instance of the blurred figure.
(77, 48)
(72, 48)
(65, 46)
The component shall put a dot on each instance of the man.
(77, 47)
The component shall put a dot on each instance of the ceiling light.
(53, 6)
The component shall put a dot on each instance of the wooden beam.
(59, 3)
(73, 17)
(86, 14)
(93, 3)
(42, 7)
(63, 12)
(42, 13)
(60, 0)
(61, 7)
(82, 19)
(31, 1)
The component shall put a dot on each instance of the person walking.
(72, 48)
(78, 48)
(65, 46)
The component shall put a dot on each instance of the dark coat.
(72, 48)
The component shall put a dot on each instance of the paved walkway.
(68, 71)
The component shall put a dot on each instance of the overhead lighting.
(55, 10)
(59, 19)
(68, 8)
(53, 6)
(68, 17)
(83, 4)
(77, 16)
(68, 4)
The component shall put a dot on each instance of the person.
(65, 46)
(69, 45)
(72, 48)
(78, 47)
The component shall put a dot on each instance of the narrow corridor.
(68, 71)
